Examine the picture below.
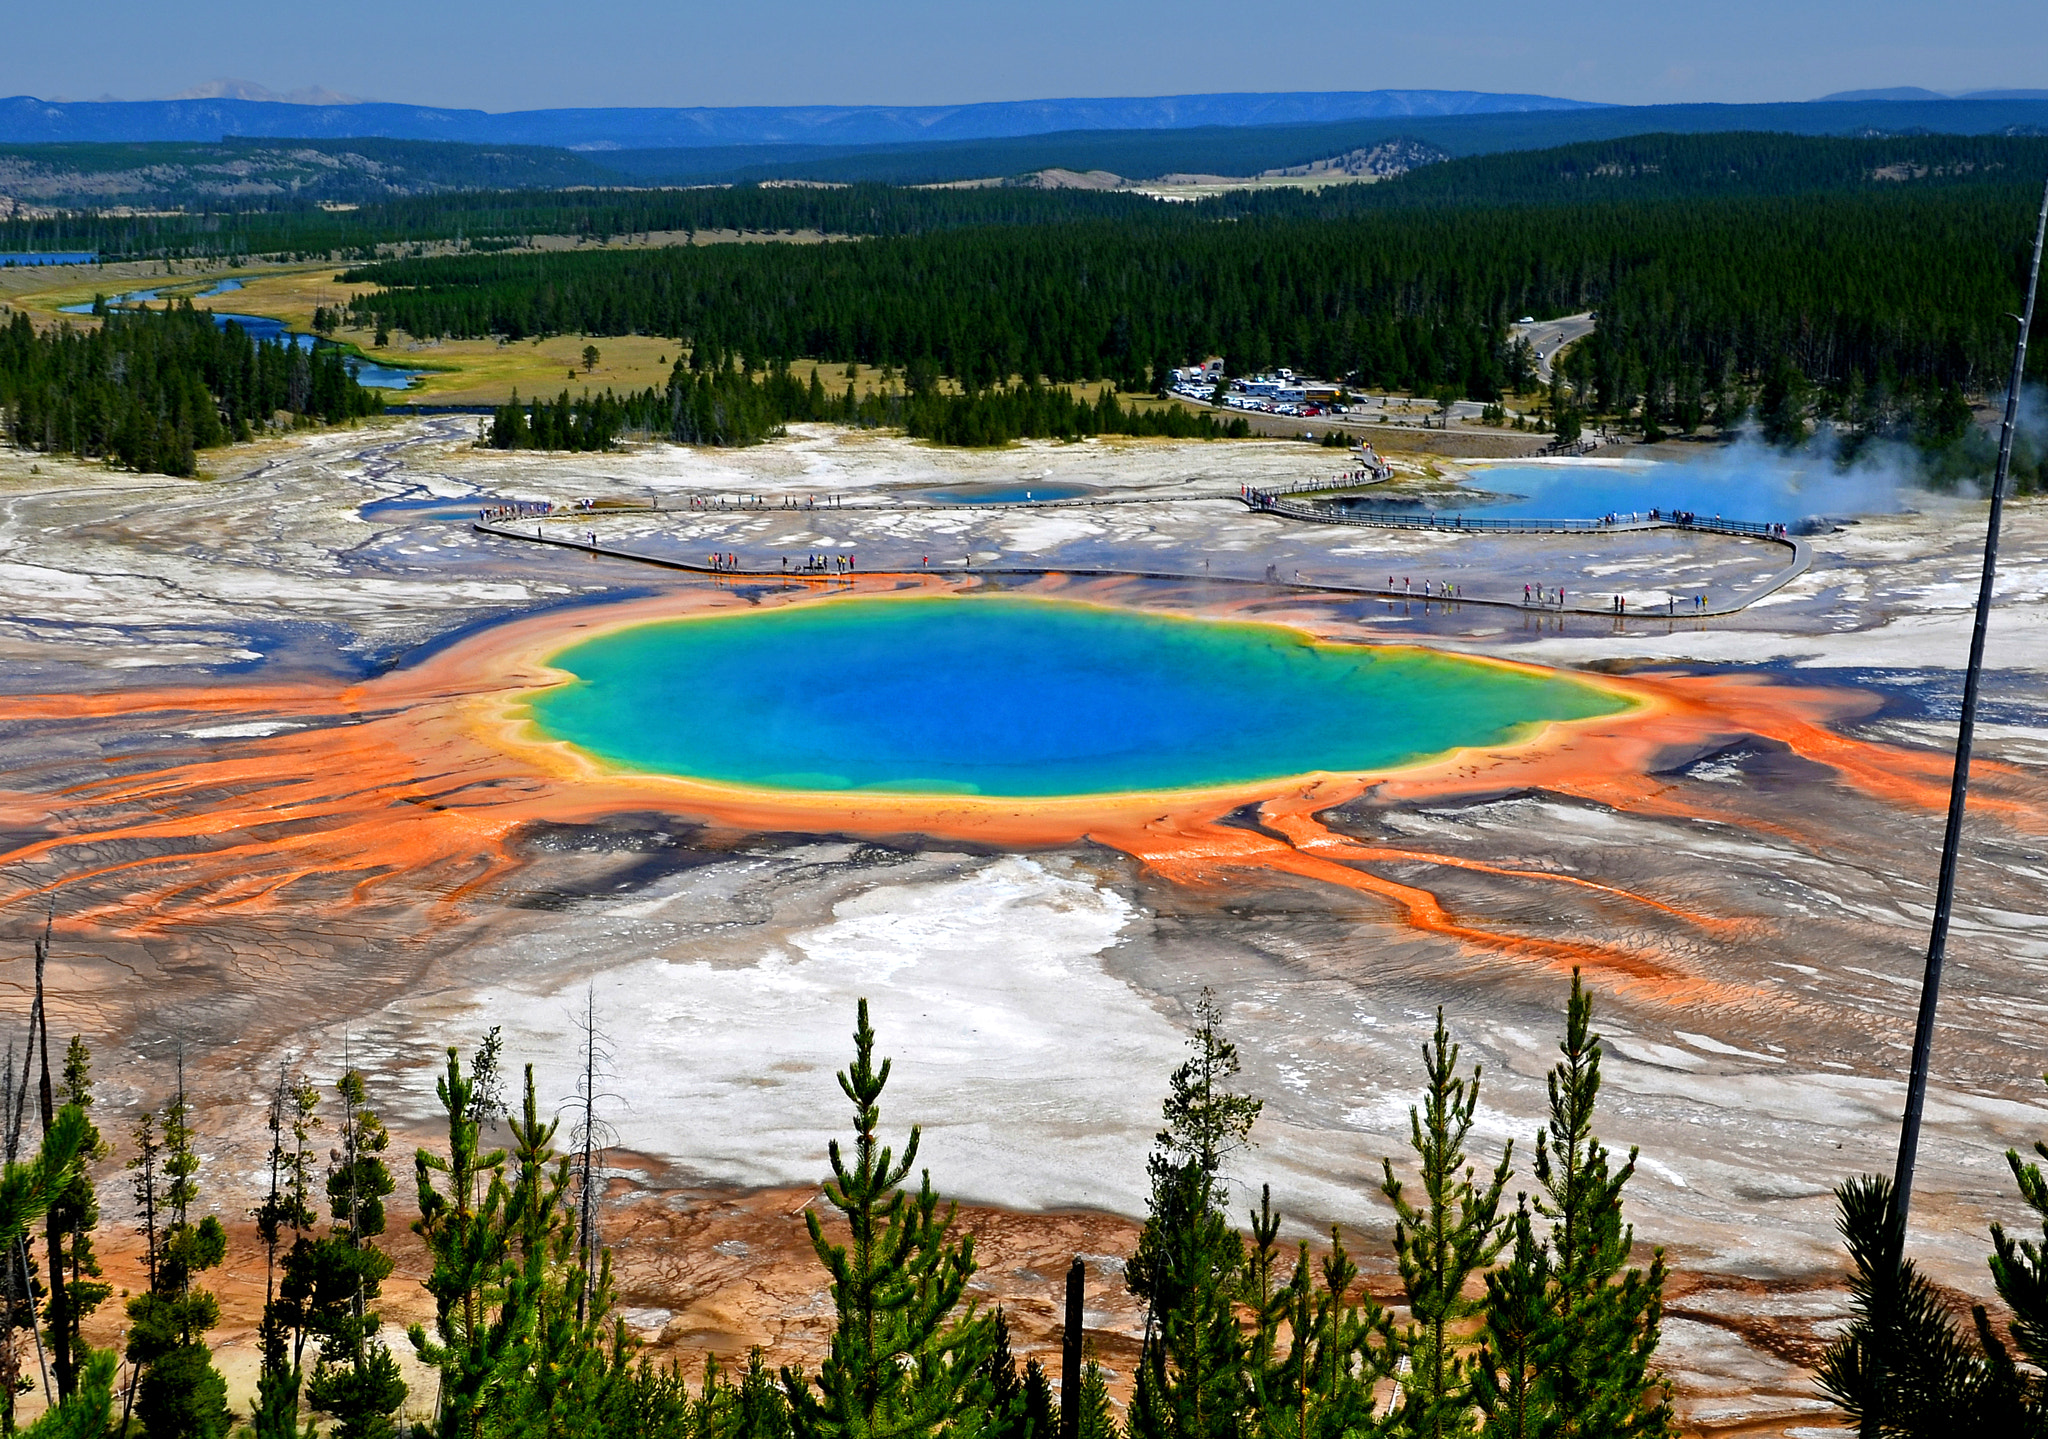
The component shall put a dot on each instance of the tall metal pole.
(1959, 785)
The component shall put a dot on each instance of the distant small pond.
(373, 376)
(263, 329)
(132, 297)
(47, 257)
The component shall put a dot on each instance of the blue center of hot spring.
(1024, 697)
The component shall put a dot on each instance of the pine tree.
(560, 1367)
(1020, 1398)
(1041, 1406)
(1508, 1381)
(751, 1407)
(1006, 1416)
(356, 1379)
(1440, 1243)
(18, 1304)
(1602, 1322)
(1338, 1352)
(906, 1357)
(143, 1165)
(286, 1209)
(1905, 1366)
(1098, 1415)
(464, 1221)
(1194, 1379)
(28, 1188)
(73, 1216)
(1206, 1122)
(2020, 1266)
(180, 1394)
(27, 1192)
(86, 1413)
(525, 1337)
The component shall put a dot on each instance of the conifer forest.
(1789, 279)
(1524, 1304)
(1520, 1300)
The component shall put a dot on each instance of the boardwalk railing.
(1267, 502)
(1357, 479)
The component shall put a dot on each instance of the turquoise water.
(1003, 494)
(1743, 482)
(1007, 696)
(1766, 489)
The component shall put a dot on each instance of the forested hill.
(593, 214)
(1247, 150)
(1691, 167)
(1895, 287)
(1642, 168)
(238, 174)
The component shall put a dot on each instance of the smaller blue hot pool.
(428, 507)
(1745, 483)
(1002, 494)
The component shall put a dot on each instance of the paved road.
(1547, 337)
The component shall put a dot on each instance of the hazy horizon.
(235, 88)
(518, 56)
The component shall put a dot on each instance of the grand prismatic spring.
(297, 759)
(1026, 698)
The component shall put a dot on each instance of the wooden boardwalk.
(516, 529)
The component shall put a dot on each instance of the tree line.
(730, 405)
(1662, 167)
(301, 228)
(1633, 169)
(1243, 1338)
(149, 389)
(1513, 1322)
(1847, 290)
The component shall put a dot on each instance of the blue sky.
(522, 54)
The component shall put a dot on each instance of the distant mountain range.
(1914, 92)
(255, 171)
(250, 90)
(26, 120)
